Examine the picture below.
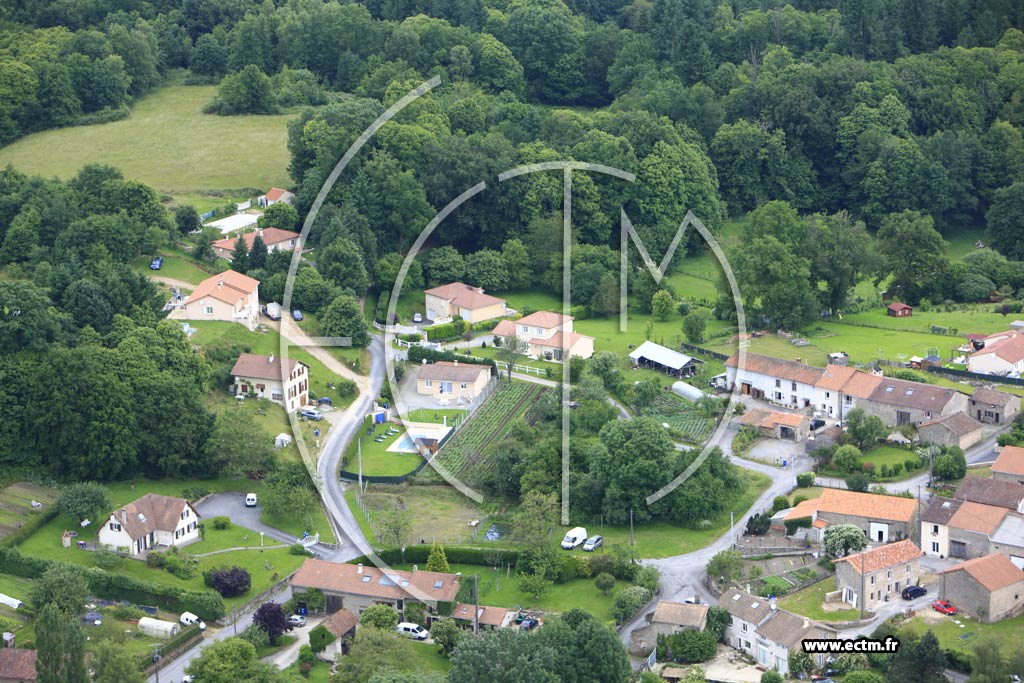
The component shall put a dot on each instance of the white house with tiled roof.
(466, 301)
(151, 522)
(548, 335)
(265, 377)
(275, 195)
(228, 296)
(276, 239)
(447, 379)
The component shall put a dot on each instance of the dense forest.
(850, 137)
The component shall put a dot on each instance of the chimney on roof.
(124, 515)
(359, 568)
(220, 283)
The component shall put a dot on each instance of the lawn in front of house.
(659, 539)
(214, 334)
(882, 455)
(440, 513)
(500, 588)
(176, 266)
(808, 602)
(265, 565)
(374, 455)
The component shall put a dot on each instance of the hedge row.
(447, 331)
(104, 584)
(799, 523)
(30, 527)
(169, 648)
(417, 354)
(418, 554)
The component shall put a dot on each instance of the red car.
(944, 607)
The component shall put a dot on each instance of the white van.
(575, 538)
(410, 630)
(189, 619)
(250, 500)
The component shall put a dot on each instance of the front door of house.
(446, 387)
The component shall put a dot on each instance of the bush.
(306, 655)
(229, 582)
(648, 577)
(628, 602)
(194, 493)
(771, 677)
(446, 331)
(320, 638)
(805, 479)
(126, 613)
(299, 549)
(758, 524)
(774, 585)
(174, 562)
(417, 354)
(220, 523)
(779, 503)
(604, 582)
(793, 524)
(691, 647)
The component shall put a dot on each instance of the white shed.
(687, 391)
(282, 440)
(158, 628)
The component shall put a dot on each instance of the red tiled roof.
(762, 417)
(545, 319)
(869, 505)
(271, 236)
(486, 616)
(452, 372)
(152, 512)
(1010, 461)
(1008, 345)
(883, 556)
(504, 328)
(993, 571)
(373, 582)
(275, 193)
(228, 287)
(17, 664)
(978, 517)
(777, 367)
(555, 341)
(261, 367)
(899, 307)
(464, 296)
(340, 623)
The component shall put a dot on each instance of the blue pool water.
(406, 443)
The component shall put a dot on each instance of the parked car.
(250, 500)
(944, 607)
(593, 543)
(410, 630)
(272, 310)
(189, 619)
(157, 263)
(529, 624)
(911, 592)
(417, 317)
(296, 314)
(575, 538)
(187, 678)
(297, 620)
(817, 424)
(311, 414)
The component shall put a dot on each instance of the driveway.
(285, 657)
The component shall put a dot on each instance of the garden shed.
(664, 359)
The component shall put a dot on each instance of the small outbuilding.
(957, 429)
(664, 359)
(158, 628)
(776, 424)
(898, 310)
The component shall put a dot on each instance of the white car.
(189, 619)
(417, 317)
(187, 678)
(410, 630)
(297, 620)
(250, 500)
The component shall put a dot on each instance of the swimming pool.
(404, 445)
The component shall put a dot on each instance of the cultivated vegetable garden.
(680, 415)
(465, 453)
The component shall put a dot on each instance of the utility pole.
(632, 540)
(359, 455)
(476, 604)
(732, 530)
(156, 660)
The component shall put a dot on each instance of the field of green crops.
(465, 454)
(679, 414)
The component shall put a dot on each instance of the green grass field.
(262, 563)
(176, 266)
(167, 142)
(978, 319)
(500, 588)
(442, 513)
(16, 505)
(808, 602)
(951, 636)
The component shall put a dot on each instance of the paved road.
(173, 671)
(682, 576)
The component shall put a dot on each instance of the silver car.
(593, 543)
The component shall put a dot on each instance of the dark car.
(817, 424)
(297, 314)
(911, 592)
(530, 624)
(157, 263)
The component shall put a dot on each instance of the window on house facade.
(744, 627)
(888, 573)
(793, 386)
(114, 526)
(276, 396)
(935, 546)
(935, 528)
(430, 383)
(872, 581)
(778, 383)
(463, 386)
(208, 310)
